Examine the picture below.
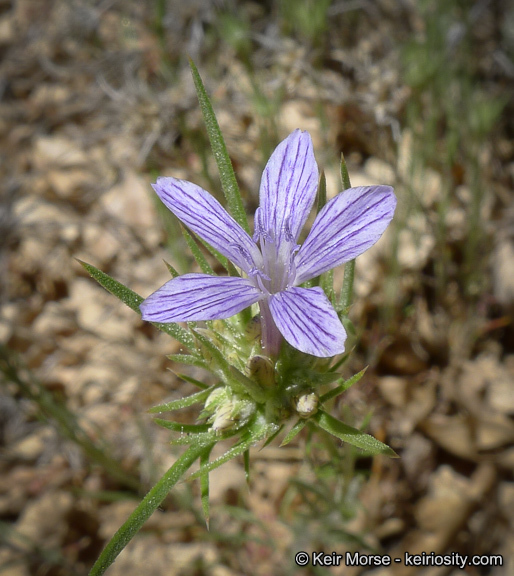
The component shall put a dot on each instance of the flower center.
(278, 271)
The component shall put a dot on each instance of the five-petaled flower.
(274, 265)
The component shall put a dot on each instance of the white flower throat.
(278, 270)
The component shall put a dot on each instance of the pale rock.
(394, 390)
(70, 232)
(66, 183)
(48, 94)
(229, 476)
(101, 243)
(506, 500)
(503, 272)
(43, 520)
(32, 211)
(379, 172)
(299, 114)
(57, 151)
(456, 221)
(52, 321)
(7, 30)
(131, 201)
(95, 375)
(32, 446)
(93, 312)
(415, 243)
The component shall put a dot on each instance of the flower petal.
(308, 322)
(288, 186)
(199, 297)
(201, 212)
(346, 226)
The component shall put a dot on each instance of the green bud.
(261, 369)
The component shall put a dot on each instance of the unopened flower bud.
(306, 405)
(261, 369)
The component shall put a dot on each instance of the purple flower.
(273, 263)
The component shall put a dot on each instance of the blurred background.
(96, 101)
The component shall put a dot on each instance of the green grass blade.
(351, 435)
(146, 508)
(181, 402)
(172, 271)
(227, 176)
(343, 386)
(244, 444)
(349, 268)
(189, 360)
(296, 429)
(133, 300)
(181, 427)
(204, 485)
(197, 253)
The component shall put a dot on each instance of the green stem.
(349, 267)
(147, 507)
(347, 289)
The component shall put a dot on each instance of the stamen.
(287, 230)
(245, 254)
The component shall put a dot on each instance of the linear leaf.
(181, 402)
(343, 386)
(345, 298)
(219, 149)
(188, 359)
(133, 300)
(244, 444)
(204, 485)
(351, 435)
(181, 427)
(146, 508)
(297, 428)
(197, 253)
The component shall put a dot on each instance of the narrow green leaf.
(327, 284)
(246, 458)
(247, 440)
(181, 402)
(322, 192)
(189, 360)
(191, 380)
(204, 485)
(298, 427)
(171, 270)
(351, 435)
(133, 300)
(146, 508)
(340, 362)
(181, 427)
(219, 257)
(345, 298)
(227, 176)
(197, 253)
(272, 436)
(343, 386)
(322, 200)
(345, 177)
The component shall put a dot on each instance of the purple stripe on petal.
(203, 214)
(308, 321)
(288, 186)
(345, 228)
(199, 297)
